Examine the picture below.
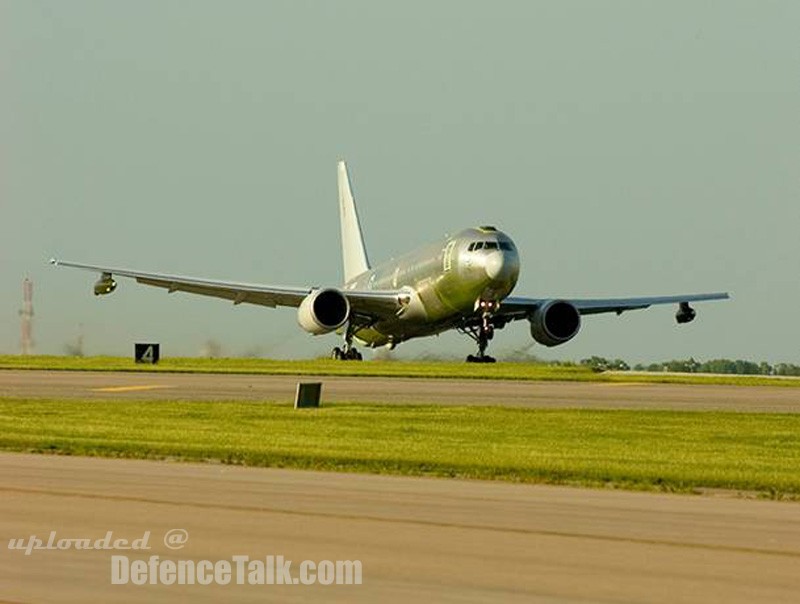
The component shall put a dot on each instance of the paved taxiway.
(121, 385)
(417, 539)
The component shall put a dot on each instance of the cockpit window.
(489, 245)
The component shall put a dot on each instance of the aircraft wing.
(370, 304)
(519, 308)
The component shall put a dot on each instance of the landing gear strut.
(481, 334)
(348, 352)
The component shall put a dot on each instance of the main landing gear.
(348, 352)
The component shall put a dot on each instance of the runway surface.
(108, 385)
(417, 539)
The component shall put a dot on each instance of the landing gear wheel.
(352, 355)
(481, 359)
(346, 354)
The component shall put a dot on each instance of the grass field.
(441, 369)
(659, 450)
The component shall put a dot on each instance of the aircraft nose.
(501, 267)
(494, 265)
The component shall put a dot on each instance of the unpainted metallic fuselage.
(444, 283)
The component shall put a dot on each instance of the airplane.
(463, 282)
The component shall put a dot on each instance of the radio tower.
(26, 315)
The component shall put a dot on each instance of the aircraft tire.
(484, 359)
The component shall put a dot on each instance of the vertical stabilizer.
(353, 252)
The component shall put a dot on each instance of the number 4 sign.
(146, 353)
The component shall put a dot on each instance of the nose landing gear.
(482, 335)
(482, 332)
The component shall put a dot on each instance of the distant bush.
(603, 364)
(724, 366)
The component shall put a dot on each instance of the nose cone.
(502, 267)
(495, 265)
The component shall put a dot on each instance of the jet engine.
(685, 314)
(323, 311)
(555, 322)
(104, 285)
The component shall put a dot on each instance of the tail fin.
(353, 252)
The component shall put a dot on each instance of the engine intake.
(323, 311)
(555, 322)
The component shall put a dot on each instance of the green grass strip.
(651, 450)
(324, 367)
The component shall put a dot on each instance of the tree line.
(690, 365)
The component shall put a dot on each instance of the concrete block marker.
(307, 396)
(146, 353)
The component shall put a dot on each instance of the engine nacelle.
(104, 285)
(555, 322)
(323, 311)
(685, 314)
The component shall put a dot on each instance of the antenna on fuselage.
(354, 255)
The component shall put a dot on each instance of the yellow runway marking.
(128, 388)
(618, 384)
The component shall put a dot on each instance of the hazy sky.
(629, 148)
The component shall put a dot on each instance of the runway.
(417, 539)
(191, 387)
